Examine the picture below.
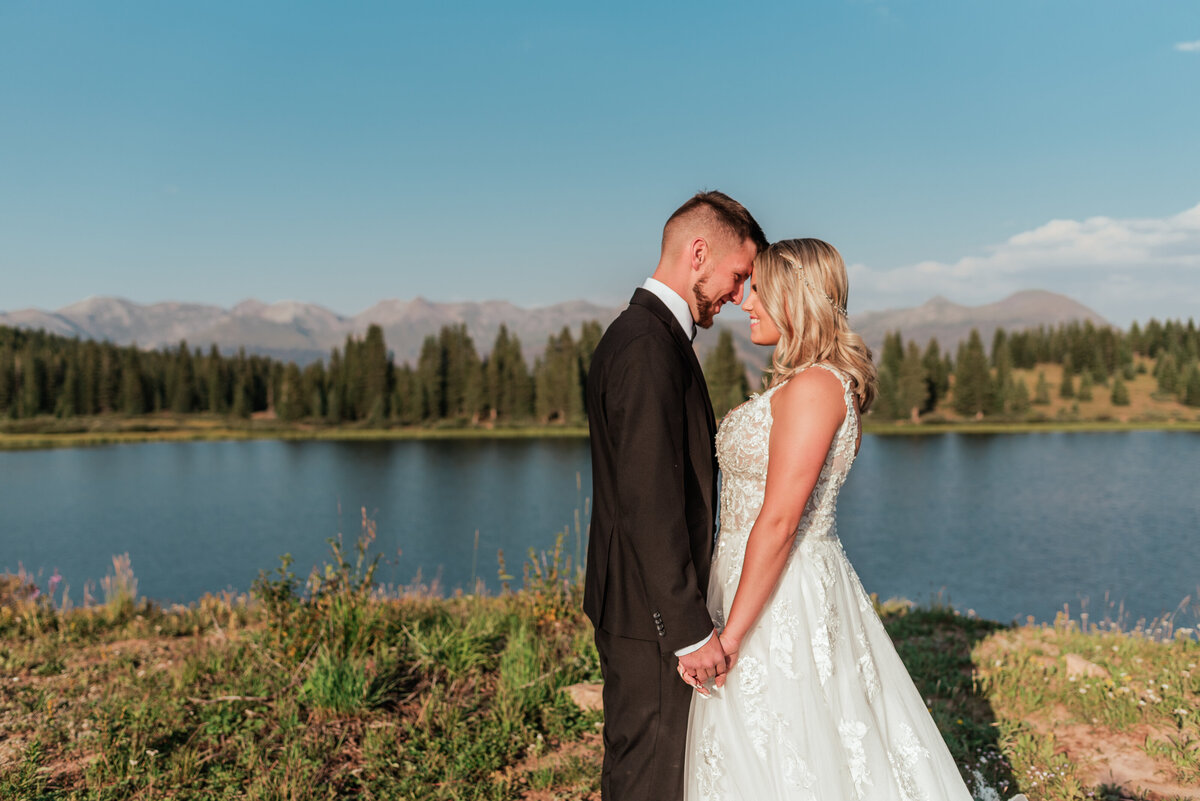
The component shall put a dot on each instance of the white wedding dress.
(819, 705)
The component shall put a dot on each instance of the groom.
(654, 493)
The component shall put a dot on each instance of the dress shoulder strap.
(847, 390)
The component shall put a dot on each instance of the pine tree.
(32, 378)
(1018, 397)
(313, 384)
(376, 370)
(431, 377)
(1085, 386)
(971, 380)
(1000, 400)
(8, 380)
(1120, 394)
(518, 383)
(68, 396)
(290, 400)
(589, 337)
(109, 392)
(911, 387)
(1167, 372)
(133, 393)
(183, 390)
(243, 387)
(1067, 388)
(937, 377)
(887, 389)
(463, 380)
(1191, 388)
(558, 388)
(507, 388)
(726, 375)
(217, 382)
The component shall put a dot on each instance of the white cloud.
(1123, 268)
(1188, 47)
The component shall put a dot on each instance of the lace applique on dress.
(852, 733)
(904, 758)
(784, 633)
(796, 771)
(711, 757)
(752, 681)
(866, 666)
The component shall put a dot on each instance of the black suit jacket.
(653, 480)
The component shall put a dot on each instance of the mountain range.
(304, 332)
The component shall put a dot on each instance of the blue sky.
(343, 153)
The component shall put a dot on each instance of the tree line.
(975, 382)
(47, 374)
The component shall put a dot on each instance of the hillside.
(305, 332)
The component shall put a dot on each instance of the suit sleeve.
(647, 423)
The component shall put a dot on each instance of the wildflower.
(54, 581)
(1181, 712)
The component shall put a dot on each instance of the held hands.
(731, 645)
(705, 663)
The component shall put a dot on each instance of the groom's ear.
(699, 253)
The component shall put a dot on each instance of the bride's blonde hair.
(803, 288)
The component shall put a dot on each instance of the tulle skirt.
(819, 705)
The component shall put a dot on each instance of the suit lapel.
(649, 300)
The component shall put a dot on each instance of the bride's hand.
(731, 646)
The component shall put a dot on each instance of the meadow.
(331, 686)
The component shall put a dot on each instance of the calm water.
(1005, 525)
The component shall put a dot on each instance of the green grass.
(326, 687)
(1025, 427)
(50, 432)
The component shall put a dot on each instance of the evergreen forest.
(1019, 377)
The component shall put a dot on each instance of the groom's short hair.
(720, 209)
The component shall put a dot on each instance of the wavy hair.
(803, 288)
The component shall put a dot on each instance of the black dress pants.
(645, 721)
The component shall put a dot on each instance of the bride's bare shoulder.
(812, 392)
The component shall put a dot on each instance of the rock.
(586, 696)
(1078, 666)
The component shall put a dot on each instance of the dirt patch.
(561, 758)
(1104, 756)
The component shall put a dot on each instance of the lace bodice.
(743, 441)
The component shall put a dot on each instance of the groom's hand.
(706, 662)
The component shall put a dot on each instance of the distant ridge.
(951, 323)
(305, 332)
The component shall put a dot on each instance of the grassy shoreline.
(65, 434)
(331, 688)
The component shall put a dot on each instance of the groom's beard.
(706, 309)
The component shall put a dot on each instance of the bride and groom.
(753, 668)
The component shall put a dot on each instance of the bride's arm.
(807, 412)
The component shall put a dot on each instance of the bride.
(817, 704)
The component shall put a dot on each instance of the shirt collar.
(676, 304)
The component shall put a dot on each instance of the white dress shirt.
(683, 313)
